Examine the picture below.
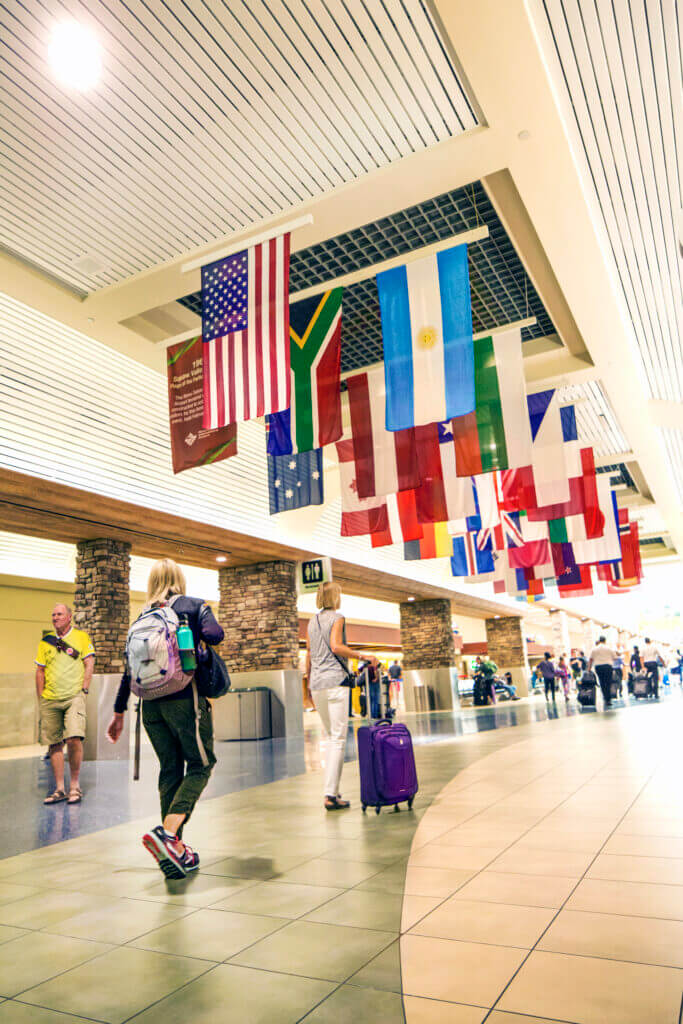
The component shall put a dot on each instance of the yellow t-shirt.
(63, 673)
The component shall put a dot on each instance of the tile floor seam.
(175, 991)
(579, 880)
(95, 956)
(63, 1013)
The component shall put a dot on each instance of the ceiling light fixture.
(411, 598)
(75, 56)
(221, 558)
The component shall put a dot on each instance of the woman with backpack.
(178, 723)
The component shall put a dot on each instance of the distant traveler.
(618, 672)
(182, 737)
(602, 659)
(509, 686)
(396, 676)
(652, 659)
(374, 679)
(636, 661)
(327, 671)
(547, 670)
(562, 673)
(64, 667)
(578, 665)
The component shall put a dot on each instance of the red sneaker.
(166, 851)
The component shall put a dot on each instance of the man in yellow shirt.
(64, 667)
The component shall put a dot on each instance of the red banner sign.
(191, 444)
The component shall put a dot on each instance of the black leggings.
(604, 673)
(549, 686)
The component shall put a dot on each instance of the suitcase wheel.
(397, 809)
(410, 803)
(364, 808)
(377, 809)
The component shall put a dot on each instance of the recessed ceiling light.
(221, 558)
(411, 598)
(75, 56)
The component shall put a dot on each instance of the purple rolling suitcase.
(387, 766)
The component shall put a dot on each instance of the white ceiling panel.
(210, 115)
(616, 66)
(596, 422)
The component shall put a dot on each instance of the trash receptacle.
(255, 721)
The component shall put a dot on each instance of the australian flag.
(295, 481)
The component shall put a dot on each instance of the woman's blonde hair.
(165, 579)
(328, 596)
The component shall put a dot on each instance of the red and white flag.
(386, 460)
(359, 515)
(442, 494)
(245, 329)
(403, 522)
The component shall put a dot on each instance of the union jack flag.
(506, 534)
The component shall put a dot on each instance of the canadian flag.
(359, 515)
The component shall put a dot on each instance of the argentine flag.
(427, 334)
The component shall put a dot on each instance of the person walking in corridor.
(562, 673)
(327, 672)
(64, 668)
(601, 659)
(180, 730)
(652, 659)
(547, 670)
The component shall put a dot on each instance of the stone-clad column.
(258, 612)
(506, 645)
(102, 599)
(429, 659)
(559, 624)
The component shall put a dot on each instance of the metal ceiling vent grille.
(618, 68)
(210, 115)
(501, 290)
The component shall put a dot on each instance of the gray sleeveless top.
(326, 671)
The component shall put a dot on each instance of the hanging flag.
(434, 543)
(359, 515)
(403, 522)
(471, 560)
(245, 327)
(441, 495)
(605, 548)
(577, 582)
(551, 481)
(535, 546)
(496, 435)
(427, 333)
(295, 480)
(314, 417)
(386, 461)
(191, 445)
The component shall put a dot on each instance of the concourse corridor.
(539, 878)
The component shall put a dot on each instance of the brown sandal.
(333, 803)
(75, 795)
(58, 797)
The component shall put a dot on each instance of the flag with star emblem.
(245, 327)
(441, 495)
(295, 481)
(314, 417)
(426, 315)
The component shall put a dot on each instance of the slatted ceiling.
(500, 288)
(596, 421)
(210, 115)
(673, 442)
(619, 66)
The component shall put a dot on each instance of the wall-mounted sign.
(312, 573)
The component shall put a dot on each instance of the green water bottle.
(188, 657)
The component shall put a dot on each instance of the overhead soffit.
(617, 68)
(211, 115)
(500, 286)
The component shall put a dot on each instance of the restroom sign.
(312, 573)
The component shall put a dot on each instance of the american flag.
(245, 328)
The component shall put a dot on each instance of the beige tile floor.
(539, 879)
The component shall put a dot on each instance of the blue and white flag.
(427, 333)
(295, 481)
(469, 560)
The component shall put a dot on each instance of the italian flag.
(497, 435)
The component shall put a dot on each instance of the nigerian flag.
(314, 418)
(497, 435)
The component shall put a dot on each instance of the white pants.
(333, 707)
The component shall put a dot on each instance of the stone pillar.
(102, 599)
(559, 624)
(590, 636)
(506, 645)
(429, 659)
(258, 612)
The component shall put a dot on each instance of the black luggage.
(642, 685)
(586, 689)
(481, 690)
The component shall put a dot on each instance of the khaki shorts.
(62, 719)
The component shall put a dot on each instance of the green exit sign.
(312, 573)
